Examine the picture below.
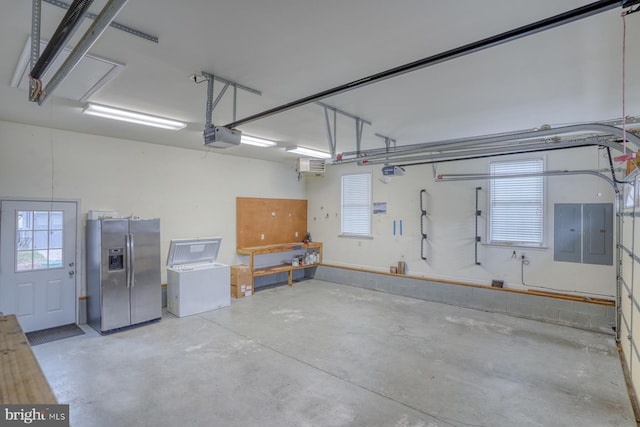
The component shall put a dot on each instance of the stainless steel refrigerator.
(123, 273)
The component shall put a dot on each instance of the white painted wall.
(451, 226)
(192, 192)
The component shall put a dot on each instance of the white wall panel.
(452, 225)
(192, 192)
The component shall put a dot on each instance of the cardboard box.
(241, 283)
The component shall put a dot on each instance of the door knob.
(71, 273)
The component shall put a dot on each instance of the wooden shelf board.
(281, 247)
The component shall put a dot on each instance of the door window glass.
(39, 240)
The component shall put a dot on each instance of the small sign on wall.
(379, 208)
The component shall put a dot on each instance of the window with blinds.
(516, 204)
(356, 205)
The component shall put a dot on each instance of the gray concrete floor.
(322, 354)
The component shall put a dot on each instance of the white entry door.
(38, 263)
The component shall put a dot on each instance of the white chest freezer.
(195, 282)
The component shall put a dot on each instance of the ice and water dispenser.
(116, 259)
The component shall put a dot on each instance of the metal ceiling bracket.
(212, 104)
(209, 106)
(359, 126)
(344, 113)
(220, 95)
(36, 11)
(387, 141)
(107, 14)
(113, 24)
(235, 102)
(64, 31)
(332, 136)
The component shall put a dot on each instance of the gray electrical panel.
(583, 233)
(567, 232)
(597, 225)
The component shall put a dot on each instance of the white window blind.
(356, 205)
(516, 204)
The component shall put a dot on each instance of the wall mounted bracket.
(423, 219)
(477, 239)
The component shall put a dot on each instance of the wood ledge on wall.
(557, 295)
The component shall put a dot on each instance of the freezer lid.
(191, 251)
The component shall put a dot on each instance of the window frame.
(519, 240)
(369, 207)
(35, 241)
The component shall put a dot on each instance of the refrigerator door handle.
(127, 240)
(132, 265)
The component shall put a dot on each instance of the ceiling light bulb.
(258, 142)
(309, 152)
(132, 117)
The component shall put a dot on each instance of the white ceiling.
(289, 49)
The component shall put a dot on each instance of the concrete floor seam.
(449, 421)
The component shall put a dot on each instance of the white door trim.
(80, 291)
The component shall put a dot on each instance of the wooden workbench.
(21, 379)
(254, 251)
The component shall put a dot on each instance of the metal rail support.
(477, 237)
(332, 133)
(107, 14)
(387, 141)
(359, 126)
(35, 43)
(508, 143)
(212, 104)
(113, 24)
(423, 218)
(63, 33)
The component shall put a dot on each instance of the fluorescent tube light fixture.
(304, 151)
(258, 142)
(132, 116)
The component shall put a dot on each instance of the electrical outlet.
(262, 237)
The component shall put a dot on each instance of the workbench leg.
(253, 278)
(290, 277)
